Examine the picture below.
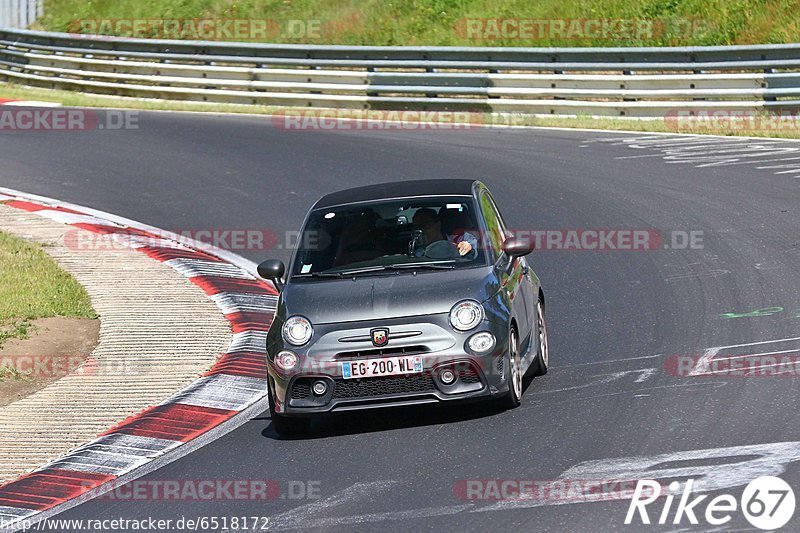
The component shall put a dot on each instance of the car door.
(515, 279)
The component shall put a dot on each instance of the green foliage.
(33, 286)
(441, 22)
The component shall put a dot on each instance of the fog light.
(447, 376)
(482, 342)
(286, 360)
(320, 388)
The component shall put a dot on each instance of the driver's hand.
(464, 248)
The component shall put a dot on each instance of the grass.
(443, 22)
(33, 286)
(12, 374)
(70, 98)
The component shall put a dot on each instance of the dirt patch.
(55, 347)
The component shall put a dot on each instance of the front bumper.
(438, 345)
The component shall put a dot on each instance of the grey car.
(400, 294)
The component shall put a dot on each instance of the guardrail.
(20, 13)
(634, 82)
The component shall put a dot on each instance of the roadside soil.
(55, 348)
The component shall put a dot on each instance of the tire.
(286, 426)
(513, 397)
(542, 361)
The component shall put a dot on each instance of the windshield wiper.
(435, 266)
(341, 273)
(319, 275)
(376, 268)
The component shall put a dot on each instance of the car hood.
(376, 297)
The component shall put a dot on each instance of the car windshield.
(435, 233)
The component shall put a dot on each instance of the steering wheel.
(442, 250)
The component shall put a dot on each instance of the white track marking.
(229, 302)
(679, 141)
(336, 522)
(692, 275)
(72, 218)
(31, 103)
(300, 516)
(759, 343)
(780, 159)
(770, 459)
(703, 363)
(115, 453)
(602, 379)
(610, 361)
(250, 341)
(704, 386)
(703, 152)
(645, 374)
(643, 156)
(140, 241)
(745, 356)
(745, 464)
(9, 514)
(702, 367)
(741, 159)
(192, 268)
(222, 391)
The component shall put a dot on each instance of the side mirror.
(272, 270)
(515, 247)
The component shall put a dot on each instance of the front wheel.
(543, 356)
(286, 426)
(513, 397)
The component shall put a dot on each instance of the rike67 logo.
(767, 503)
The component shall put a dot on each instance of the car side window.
(494, 222)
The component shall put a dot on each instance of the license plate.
(387, 366)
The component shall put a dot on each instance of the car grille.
(365, 388)
(385, 352)
(301, 389)
(469, 376)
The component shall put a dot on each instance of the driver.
(427, 219)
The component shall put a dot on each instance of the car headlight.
(286, 360)
(297, 330)
(465, 315)
(481, 343)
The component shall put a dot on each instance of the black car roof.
(398, 189)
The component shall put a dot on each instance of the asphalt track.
(615, 317)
